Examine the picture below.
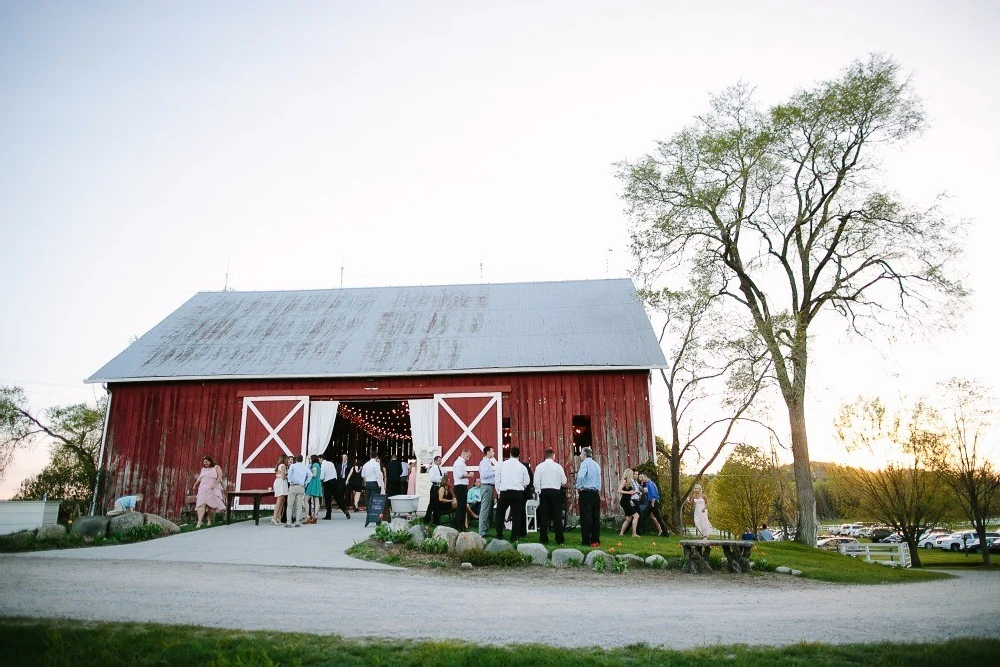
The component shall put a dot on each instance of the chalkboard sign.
(376, 505)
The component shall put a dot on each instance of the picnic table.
(255, 493)
(737, 553)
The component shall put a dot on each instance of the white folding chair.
(531, 516)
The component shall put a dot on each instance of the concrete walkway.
(320, 545)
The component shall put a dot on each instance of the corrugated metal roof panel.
(383, 331)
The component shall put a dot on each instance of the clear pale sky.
(145, 147)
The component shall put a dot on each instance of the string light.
(380, 424)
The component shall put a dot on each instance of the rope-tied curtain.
(322, 417)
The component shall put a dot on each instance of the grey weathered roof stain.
(382, 331)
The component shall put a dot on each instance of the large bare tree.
(714, 374)
(786, 204)
(969, 424)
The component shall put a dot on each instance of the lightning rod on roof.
(225, 288)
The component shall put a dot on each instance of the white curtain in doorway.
(322, 417)
(422, 427)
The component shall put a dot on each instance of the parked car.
(972, 545)
(833, 543)
(894, 538)
(956, 541)
(935, 532)
(992, 543)
(854, 530)
(929, 541)
(880, 533)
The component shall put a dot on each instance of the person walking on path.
(461, 473)
(332, 487)
(514, 479)
(298, 477)
(550, 480)
(588, 484)
(487, 478)
(209, 487)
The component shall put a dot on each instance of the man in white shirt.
(331, 488)
(550, 480)
(434, 474)
(513, 480)
(487, 475)
(298, 476)
(460, 471)
(371, 472)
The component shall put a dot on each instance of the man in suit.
(331, 488)
(393, 472)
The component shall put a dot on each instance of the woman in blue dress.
(314, 491)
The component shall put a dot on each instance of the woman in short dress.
(411, 484)
(280, 489)
(356, 484)
(314, 490)
(628, 494)
(700, 502)
(209, 488)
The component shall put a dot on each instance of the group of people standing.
(509, 484)
(302, 491)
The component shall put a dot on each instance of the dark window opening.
(506, 438)
(581, 433)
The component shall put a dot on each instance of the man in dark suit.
(393, 473)
(337, 487)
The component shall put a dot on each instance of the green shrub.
(145, 532)
(481, 558)
(478, 557)
(384, 533)
(434, 545)
(619, 564)
(511, 559)
(600, 564)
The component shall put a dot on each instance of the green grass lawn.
(79, 644)
(814, 563)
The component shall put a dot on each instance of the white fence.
(893, 555)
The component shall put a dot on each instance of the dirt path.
(563, 608)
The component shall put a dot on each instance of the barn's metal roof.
(387, 331)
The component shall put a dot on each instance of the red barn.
(246, 376)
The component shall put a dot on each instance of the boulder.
(782, 569)
(23, 537)
(122, 522)
(562, 557)
(496, 546)
(447, 534)
(633, 560)
(594, 555)
(399, 524)
(466, 566)
(466, 541)
(796, 573)
(167, 526)
(50, 530)
(656, 561)
(90, 526)
(417, 534)
(539, 554)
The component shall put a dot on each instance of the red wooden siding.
(158, 431)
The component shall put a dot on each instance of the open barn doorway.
(366, 427)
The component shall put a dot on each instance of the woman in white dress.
(700, 502)
(280, 490)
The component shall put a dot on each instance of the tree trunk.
(675, 485)
(805, 531)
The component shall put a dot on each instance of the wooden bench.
(737, 553)
(189, 512)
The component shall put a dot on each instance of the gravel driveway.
(562, 608)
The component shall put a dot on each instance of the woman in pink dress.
(411, 483)
(209, 489)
